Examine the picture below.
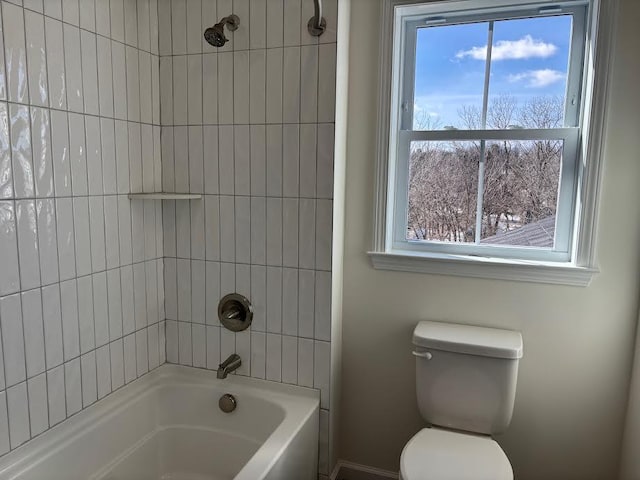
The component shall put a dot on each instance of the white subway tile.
(213, 295)
(258, 354)
(274, 299)
(56, 395)
(225, 88)
(36, 58)
(133, 83)
(153, 346)
(259, 297)
(77, 155)
(22, 167)
(108, 147)
(194, 89)
(142, 352)
(257, 23)
(321, 374)
(290, 160)
(169, 228)
(101, 308)
(290, 301)
(307, 233)
(289, 359)
(98, 249)
(226, 160)
(17, 403)
(196, 160)
(73, 386)
(53, 8)
(166, 90)
(10, 278)
(103, 371)
(41, 146)
(33, 332)
(243, 348)
(327, 82)
(130, 358)
(274, 85)
(135, 157)
(85, 314)
(291, 85)
(15, 52)
(38, 409)
(117, 364)
(89, 380)
(199, 346)
(305, 362)
(55, 62)
(181, 159)
(146, 158)
(198, 291)
(118, 58)
(4, 424)
(122, 156)
(323, 306)
(117, 20)
(274, 357)
(193, 26)
(210, 91)
(60, 151)
(131, 22)
(144, 33)
(241, 36)
(258, 230)
(306, 303)
(70, 327)
(274, 160)
(6, 182)
(185, 350)
(47, 241)
(154, 31)
(172, 341)
(292, 22)
(146, 92)
(124, 230)
(274, 231)
(73, 67)
(88, 14)
(52, 311)
(257, 86)
(184, 290)
(243, 229)
(308, 168)
(89, 72)
(66, 238)
(139, 295)
(105, 75)
(128, 308)
(227, 343)
(103, 18)
(94, 155)
(155, 89)
(164, 26)
(114, 299)
(290, 215)
(28, 244)
(309, 84)
(213, 347)
(183, 229)
(152, 292)
(71, 11)
(212, 227)
(179, 26)
(180, 90)
(227, 229)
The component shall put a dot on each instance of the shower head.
(215, 35)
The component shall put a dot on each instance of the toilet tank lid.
(482, 341)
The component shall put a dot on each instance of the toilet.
(465, 384)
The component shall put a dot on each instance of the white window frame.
(583, 134)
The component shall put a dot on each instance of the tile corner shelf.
(164, 196)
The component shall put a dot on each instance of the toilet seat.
(436, 454)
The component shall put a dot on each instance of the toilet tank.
(466, 376)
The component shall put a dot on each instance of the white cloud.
(526, 47)
(538, 78)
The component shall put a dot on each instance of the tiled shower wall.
(81, 290)
(251, 127)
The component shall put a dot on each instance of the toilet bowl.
(465, 384)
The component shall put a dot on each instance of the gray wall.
(578, 342)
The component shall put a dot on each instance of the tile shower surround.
(81, 267)
(251, 127)
(111, 107)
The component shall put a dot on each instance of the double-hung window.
(484, 147)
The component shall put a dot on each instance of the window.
(484, 139)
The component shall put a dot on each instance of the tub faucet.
(229, 365)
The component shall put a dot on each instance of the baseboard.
(353, 471)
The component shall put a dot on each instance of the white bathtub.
(167, 426)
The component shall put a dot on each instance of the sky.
(529, 59)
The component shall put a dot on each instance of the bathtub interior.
(167, 426)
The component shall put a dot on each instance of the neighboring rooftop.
(538, 234)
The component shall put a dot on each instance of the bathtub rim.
(303, 402)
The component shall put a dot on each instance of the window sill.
(484, 267)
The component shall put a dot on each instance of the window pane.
(529, 65)
(445, 81)
(521, 193)
(443, 186)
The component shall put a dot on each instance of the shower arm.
(317, 24)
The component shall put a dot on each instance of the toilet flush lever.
(426, 355)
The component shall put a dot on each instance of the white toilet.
(466, 384)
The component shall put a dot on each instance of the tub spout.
(229, 365)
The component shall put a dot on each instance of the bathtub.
(167, 426)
